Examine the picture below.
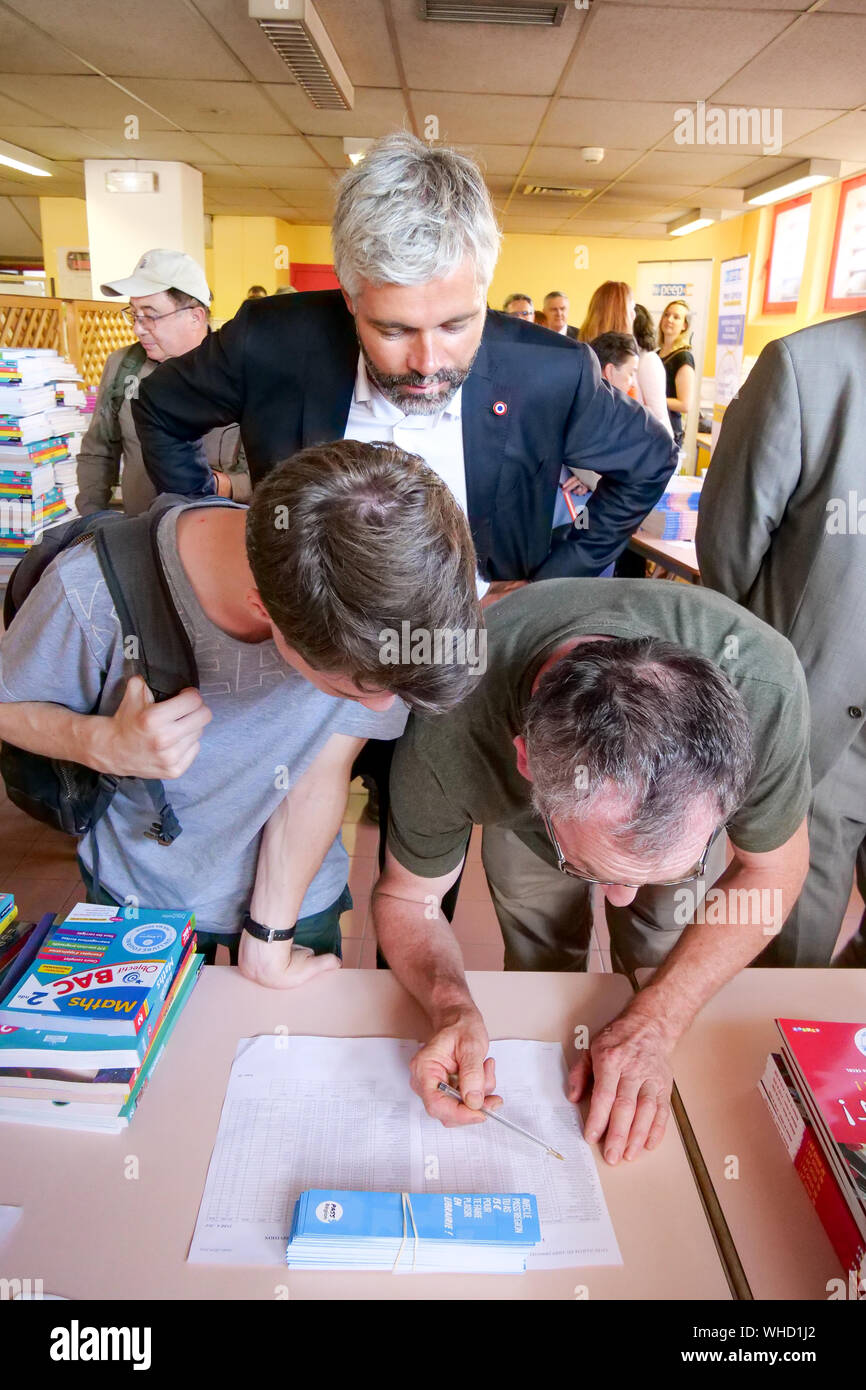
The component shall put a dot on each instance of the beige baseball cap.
(162, 270)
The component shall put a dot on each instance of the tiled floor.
(38, 866)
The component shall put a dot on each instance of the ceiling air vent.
(555, 191)
(301, 40)
(469, 13)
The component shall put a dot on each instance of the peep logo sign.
(147, 940)
(326, 1212)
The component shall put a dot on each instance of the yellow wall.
(64, 223)
(253, 250)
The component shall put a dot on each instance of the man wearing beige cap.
(168, 309)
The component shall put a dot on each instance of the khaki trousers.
(546, 917)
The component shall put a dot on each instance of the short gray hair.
(513, 298)
(409, 213)
(652, 720)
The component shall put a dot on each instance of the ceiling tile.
(92, 101)
(23, 49)
(172, 42)
(824, 57)
(749, 129)
(57, 142)
(285, 150)
(647, 229)
(520, 60)
(212, 106)
(737, 5)
(616, 124)
(467, 119)
(360, 36)
(497, 161)
(154, 144)
(842, 139)
(690, 52)
(331, 150)
(275, 176)
(377, 111)
(696, 167)
(14, 112)
(557, 164)
(759, 169)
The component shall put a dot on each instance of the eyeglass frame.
(565, 868)
(132, 316)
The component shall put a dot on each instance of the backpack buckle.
(157, 833)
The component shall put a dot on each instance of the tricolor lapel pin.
(500, 408)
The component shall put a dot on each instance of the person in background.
(257, 292)
(556, 314)
(540, 318)
(618, 358)
(168, 309)
(651, 381)
(521, 306)
(611, 310)
(285, 289)
(675, 352)
(780, 532)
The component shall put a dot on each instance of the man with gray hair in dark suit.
(782, 529)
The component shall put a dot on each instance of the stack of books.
(34, 441)
(815, 1088)
(675, 516)
(418, 1232)
(13, 934)
(85, 1012)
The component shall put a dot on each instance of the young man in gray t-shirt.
(284, 605)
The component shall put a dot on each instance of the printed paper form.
(304, 1112)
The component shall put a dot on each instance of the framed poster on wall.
(787, 255)
(846, 284)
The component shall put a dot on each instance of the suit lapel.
(329, 381)
(484, 437)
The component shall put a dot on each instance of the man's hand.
(146, 739)
(223, 484)
(459, 1048)
(576, 486)
(280, 964)
(632, 1079)
(500, 589)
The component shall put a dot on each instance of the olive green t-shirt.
(456, 770)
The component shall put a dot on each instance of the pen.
(500, 1119)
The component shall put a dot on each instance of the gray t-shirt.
(268, 725)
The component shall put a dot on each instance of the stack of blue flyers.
(414, 1232)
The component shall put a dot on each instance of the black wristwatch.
(265, 933)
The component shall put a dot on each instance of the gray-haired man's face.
(419, 341)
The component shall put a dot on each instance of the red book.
(827, 1062)
(815, 1172)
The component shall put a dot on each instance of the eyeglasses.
(133, 315)
(565, 868)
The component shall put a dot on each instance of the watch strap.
(265, 933)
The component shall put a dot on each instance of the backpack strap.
(130, 365)
(155, 640)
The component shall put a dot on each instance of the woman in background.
(652, 386)
(611, 310)
(679, 364)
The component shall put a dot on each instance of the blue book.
(424, 1231)
(100, 972)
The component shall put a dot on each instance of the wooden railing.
(85, 330)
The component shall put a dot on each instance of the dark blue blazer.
(284, 368)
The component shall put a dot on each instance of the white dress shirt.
(437, 439)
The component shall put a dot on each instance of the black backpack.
(67, 795)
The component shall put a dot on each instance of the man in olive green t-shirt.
(619, 726)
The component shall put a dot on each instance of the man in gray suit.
(782, 529)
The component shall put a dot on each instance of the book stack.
(815, 1088)
(85, 1012)
(675, 516)
(418, 1232)
(34, 442)
(13, 933)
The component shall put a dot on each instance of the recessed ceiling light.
(28, 163)
(694, 221)
(790, 182)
